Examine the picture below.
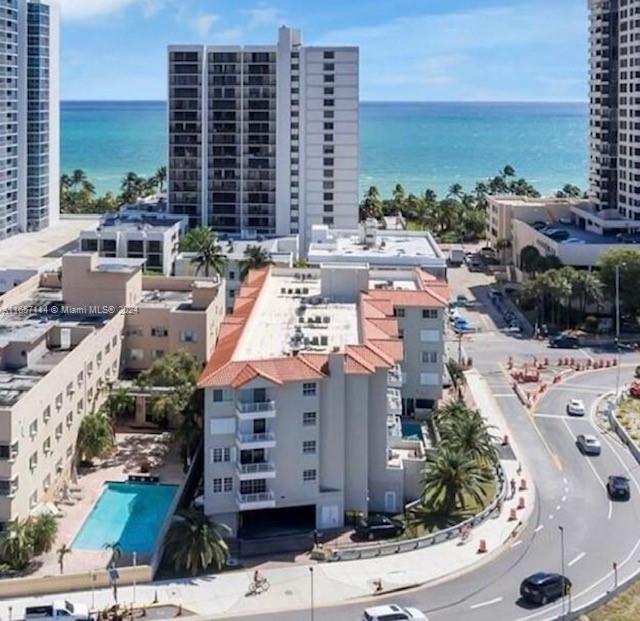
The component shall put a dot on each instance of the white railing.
(247, 499)
(255, 407)
(247, 438)
(261, 468)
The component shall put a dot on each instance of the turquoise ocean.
(421, 145)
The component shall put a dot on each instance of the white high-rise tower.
(264, 138)
(29, 115)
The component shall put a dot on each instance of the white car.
(393, 612)
(575, 407)
(589, 444)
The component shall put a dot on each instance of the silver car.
(589, 444)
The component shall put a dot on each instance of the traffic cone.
(523, 485)
(512, 515)
(482, 546)
(521, 503)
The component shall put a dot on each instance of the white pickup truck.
(57, 611)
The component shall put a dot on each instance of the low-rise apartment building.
(62, 344)
(283, 251)
(54, 368)
(153, 237)
(307, 378)
(378, 248)
(574, 231)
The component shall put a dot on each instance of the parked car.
(564, 341)
(61, 609)
(589, 444)
(378, 527)
(618, 488)
(461, 325)
(393, 612)
(575, 407)
(542, 588)
(462, 300)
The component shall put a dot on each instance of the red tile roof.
(381, 346)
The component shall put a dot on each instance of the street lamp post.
(312, 602)
(561, 529)
(618, 327)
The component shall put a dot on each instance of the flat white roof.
(296, 319)
(43, 248)
(391, 248)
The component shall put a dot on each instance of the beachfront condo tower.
(29, 116)
(615, 106)
(263, 139)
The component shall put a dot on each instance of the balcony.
(253, 410)
(394, 402)
(262, 500)
(395, 377)
(248, 472)
(255, 440)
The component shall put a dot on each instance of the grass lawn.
(437, 521)
(629, 415)
(624, 607)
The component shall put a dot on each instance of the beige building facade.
(63, 343)
(307, 378)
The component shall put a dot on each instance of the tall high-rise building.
(29, 115)
(615, 106)
(264, 138)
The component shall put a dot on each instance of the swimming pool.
(411, 430)
(131, 514)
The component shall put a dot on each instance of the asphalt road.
(570, 492)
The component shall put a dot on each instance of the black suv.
(564, 341)
(542, 588)
(618, 488)
(378, 527)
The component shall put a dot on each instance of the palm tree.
(133, 187)
(371, 205)
(530, 260)
(66, 183)
(95, 437)
(502, 245)
(210, 257)
(160, 178)
(44, 530)
(508, 171)
(455, 191)
(430, 196)
(469, 435)
(119, 403)
(398, 198)
(194, 543)
(588, 288)
(16, 545)
(256, 257)
(62, 551)
(116, 551)
(451, 479)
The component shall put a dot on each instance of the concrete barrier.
(44, 585)
(623, 434)
(380, 549)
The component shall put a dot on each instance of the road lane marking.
(504, 395)
(489, 603)
(557, 507)
(539, 528)
(576, 559)
(593, 469)
(551, 516)
(587, 354)
(516, 544)
(564, 498)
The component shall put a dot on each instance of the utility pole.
(561, 529)
(312, 602)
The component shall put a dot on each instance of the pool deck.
(131, 450)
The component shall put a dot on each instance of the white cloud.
(509, 51)
(204, 23)
(86, 9)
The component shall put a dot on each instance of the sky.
(410, 50)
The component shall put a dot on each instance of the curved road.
(570, 491)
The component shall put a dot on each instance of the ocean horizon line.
(377, 101)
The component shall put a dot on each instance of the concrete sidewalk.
(334, 583)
